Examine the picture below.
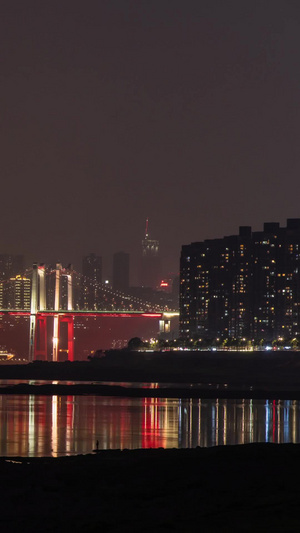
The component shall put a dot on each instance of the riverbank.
(165, 391)
(233, 488)
(257, 375)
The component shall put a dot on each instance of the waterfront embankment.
(190, 374)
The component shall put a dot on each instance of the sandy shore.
(234, 488)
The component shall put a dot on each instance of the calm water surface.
(59, 425)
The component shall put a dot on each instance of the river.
(33, 425)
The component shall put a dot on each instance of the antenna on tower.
(146, 230)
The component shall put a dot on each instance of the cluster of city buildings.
(151, 288)
(245, 286)
(15, 286)
(90, 291)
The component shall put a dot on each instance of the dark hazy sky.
(111, 111)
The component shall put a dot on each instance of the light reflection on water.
(59, 425)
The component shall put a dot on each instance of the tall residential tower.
(121, 271)
(91, 278)
(242, 286)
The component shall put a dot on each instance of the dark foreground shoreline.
(229, 488)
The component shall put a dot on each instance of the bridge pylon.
(38, 319)
(56, 307)
(33, 311)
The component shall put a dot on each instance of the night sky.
(186, 112)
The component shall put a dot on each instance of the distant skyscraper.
(50, 286)
(121, 271)
(10, 267)
(150, 264)
(66, 299)
(19, 293)
(92, 277)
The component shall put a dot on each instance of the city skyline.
(136, 137)
(183, 112)
(107, 264)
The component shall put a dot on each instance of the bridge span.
(38, 314)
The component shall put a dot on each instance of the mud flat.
(232, 488)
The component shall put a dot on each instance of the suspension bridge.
(58, 304)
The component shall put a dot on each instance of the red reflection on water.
(152, 427)
(70, 412)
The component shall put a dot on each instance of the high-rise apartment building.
(150, 262)
(19, 292)
(10, 267)
(91, 279)
(121, 271)
(242, 286)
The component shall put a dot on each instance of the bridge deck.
(52, 312)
